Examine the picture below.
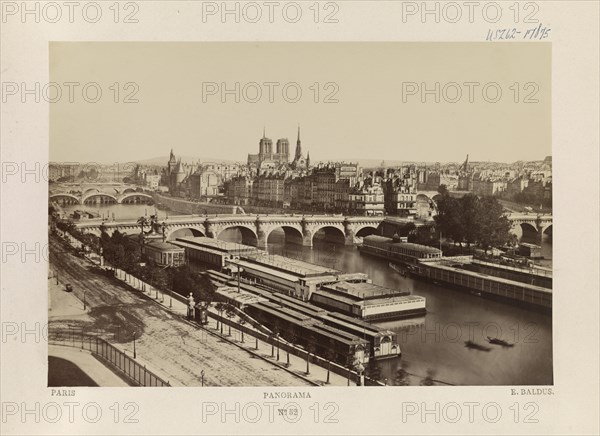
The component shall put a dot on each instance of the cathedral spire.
(298, 153)
(264, 132)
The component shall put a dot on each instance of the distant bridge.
(255, 230)
(538, 223)
(94, 196)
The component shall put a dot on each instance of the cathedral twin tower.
(282, 153)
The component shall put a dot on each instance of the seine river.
(435, 342)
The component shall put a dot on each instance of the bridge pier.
(348, 233)
(307, 238)
(261, 241)
(349, 237)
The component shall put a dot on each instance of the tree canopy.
(473, 220)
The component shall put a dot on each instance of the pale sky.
(369, 121)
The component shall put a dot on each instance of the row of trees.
(473, 220)
(88, 241)
(122, 252)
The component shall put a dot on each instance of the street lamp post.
(221, 315)
(202, 377)
(242, 322)
(191, 304)
(134, 352)
(84, 305)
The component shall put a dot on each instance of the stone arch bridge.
(298, 229)
(537, 223)
(255, 230)
(93, 196)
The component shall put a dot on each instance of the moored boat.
(501, 342)
(476, 346)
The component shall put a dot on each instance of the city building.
(269, 190)
(164, 253)
(367, 199)
(239, 190)
(428, 180)
(483, 186)
(204, 183)
(152, 179)
(400, 193)
(59, 172)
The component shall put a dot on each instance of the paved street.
(172, 348)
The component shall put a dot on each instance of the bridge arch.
(134, 197)
(90, 191)
(233, 232)
(183, 232)
(64, 199)
(99, 198)
(547, 230)
(291, 234)
(366, 230)
(330, 233)
(524, 229)
(527, 228)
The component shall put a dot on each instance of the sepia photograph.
(300, 214)
(286, 217)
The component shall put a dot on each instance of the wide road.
(174, 349)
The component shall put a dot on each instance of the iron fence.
(131, 368)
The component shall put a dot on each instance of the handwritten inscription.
(538, 33)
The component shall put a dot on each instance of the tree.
(494, 226)
(443, 190)
(143, 221)
(448, 218)
(183, 281)
(408, 229)
(470, 218)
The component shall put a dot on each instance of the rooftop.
(242, 297)
(215, 244)
(363, 290)
(372, 302)
(295, 267)
(164, 246)
(409, 245)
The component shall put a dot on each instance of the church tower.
(172, 162)
(298, 154)
(265, 148)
